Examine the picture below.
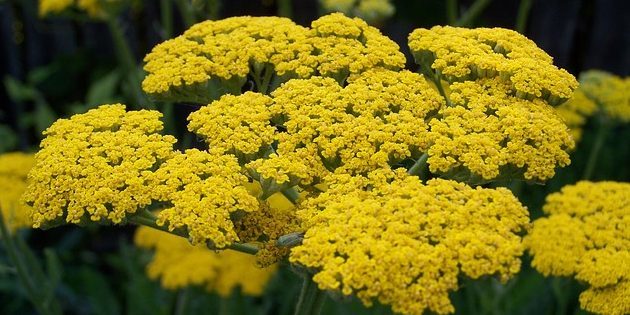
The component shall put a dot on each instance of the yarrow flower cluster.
(326, 117)
(213, 58)
(576, 111)
(178, 264)
(205, 189)
(390, 238)
(585, 235)
(460, 54)
(97, 166)
(372, 11)
(14, 168)
(610, 92)
(94, 8)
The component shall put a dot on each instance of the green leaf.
(9, 139)
(103, 90)
(44, 116)
(98, 292)
(18, 91)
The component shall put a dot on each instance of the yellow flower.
(204, 190)
(488, 134)
(213, 58)
(390, 238)
(379, 119)
(372, 11)
(97, 166)
(610, 92)
(345, 46)
(178, 264)
(276, 217)
(461, 54)
(13, 170)
(576, 111)
(96, 9)
(238, 125)
(585, 234)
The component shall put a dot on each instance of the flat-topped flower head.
(217, 57)
(14, 168)
(585, 235)
(345, 46)
(576, 111)
(204, 191)
(96, 9)
(390, 238)
(490, 134)
(239, 125)
(372, 11)
(178, 264)
(213, 58)
(96, 166)
(461, 54)
(379, 119)
(610, 92)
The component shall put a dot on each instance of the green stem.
(595, 150)
(523, 13)
(473, 12)
(419, 168)
(451, 11)
(311, 298)
(292, 194)
(186, 9)
(147, 218)
(128, 62)
(166, 14)
(213, 7)
(22, 272)
(285, 8)
(558, 286)
(264, 88)
(182, 302)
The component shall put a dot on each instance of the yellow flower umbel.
(390, 238)
(343, 46)
(586, 235)
(213, 58)
(575, 112)
(489, 134)
(204, 190)
(460, 54)
(96, 9)
(13, 170)
(379, 119)
(97, 166)
(217, 57)
(610, 92)
(372, 11)
(238, 125)
(178, 264)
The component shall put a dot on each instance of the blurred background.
(58, 65)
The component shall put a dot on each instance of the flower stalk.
(311, 298)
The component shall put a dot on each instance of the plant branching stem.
(292, 194)
(186, 9)
(311, 298)
(473, 12)
(451, 11)
(522, 15)
(127, 61)
(166, 15)
(419, 168)
(600, 138)
(147, 218)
